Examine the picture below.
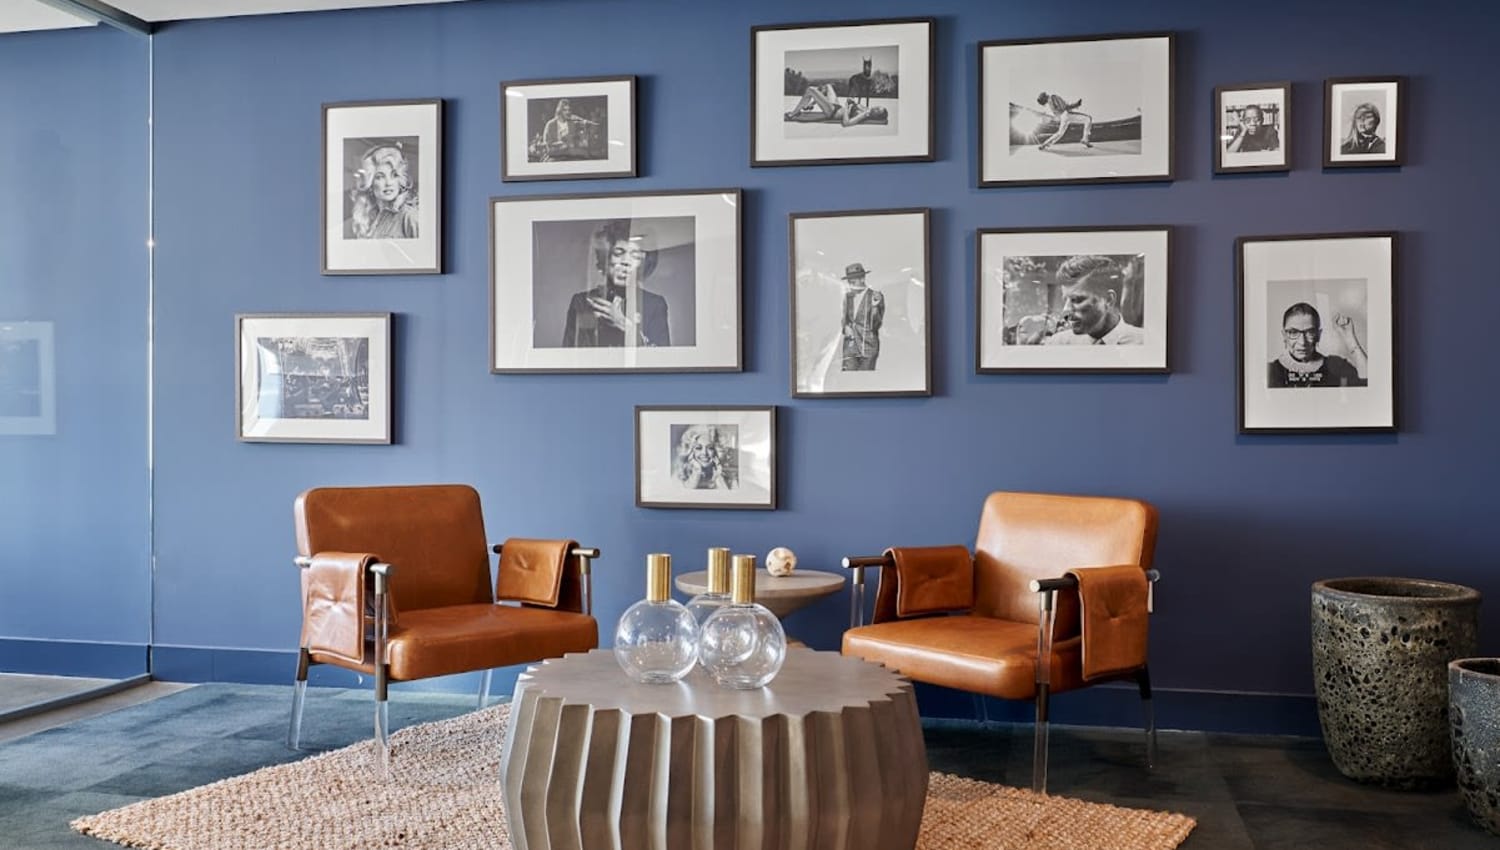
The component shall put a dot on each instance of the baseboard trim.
(72, 658)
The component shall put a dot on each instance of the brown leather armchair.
(396, 583)
(1064, 580)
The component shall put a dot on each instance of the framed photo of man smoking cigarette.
(1079, 299)
(633, 282)
(569, 129)
(28, 379)
(313, 377)
(1252, 125)
(860, 284)
(705, 457)
(1086, 109)
(1316, 331)
(383, 187)
(1362, 121)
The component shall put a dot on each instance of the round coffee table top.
(781, 594)
(810, 681)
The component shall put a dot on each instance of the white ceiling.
(27, 15)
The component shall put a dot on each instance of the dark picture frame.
(1035, 93)
(382, 179)
(843, 92)
(1315, 333)
(568, 129)
(861, 306)
(706, 456)
(1026, 280)
(313, 378)
(561, 300)
(1266, 145)
(1348, 105)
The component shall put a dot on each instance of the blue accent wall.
(1247, 522)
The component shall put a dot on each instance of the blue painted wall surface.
(1247, 522)
(75, 506)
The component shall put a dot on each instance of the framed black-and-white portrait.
(383, 187)
(845, 92)
(567, 129)
(635, 282)
(28, 380)
(1252, 126)
(860, 284)
(313, 377)
(1316, 333)
(1087, 109)
(705, 457)
(1079, 299)
(1362, 119)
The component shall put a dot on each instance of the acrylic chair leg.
(299, 696)
(382, 725)
(1143, 680)
(1039, 750)
(484, 686)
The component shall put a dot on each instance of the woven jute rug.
(444, 794)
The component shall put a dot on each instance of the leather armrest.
(337, 594)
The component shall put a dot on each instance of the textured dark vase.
(1474, 718)
(1381, 648)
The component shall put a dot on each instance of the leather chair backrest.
(1025, 536)
(432, 534)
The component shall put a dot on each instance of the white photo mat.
(258, 413)
(516, 139)
(747, 438)
(28, 380)
(1343, 97)
(1231, 100)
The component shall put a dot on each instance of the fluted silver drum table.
(827, 756)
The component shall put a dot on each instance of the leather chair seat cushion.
(971, 653)
(460, 638)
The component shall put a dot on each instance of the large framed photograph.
(705, 457)
(567, 129)
(383, 187)
(1316, 333)
(1252, 122)
(1362, 119)
(28, 380)
(635, 282)
(860, 301)
(1088, 109)
(845, 92)
(1078, 299)
(313, 377)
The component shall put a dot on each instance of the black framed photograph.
(582, 127)
(28, 380)
(860, 283)
(705, 457)
(313, 377)
(843, 92)
(1252, 123)
(1085, 109)
(1316, 333)
(1362, 121)
(632, 282)
(1073, 299)
(383, 187)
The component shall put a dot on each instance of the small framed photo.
(1079, 299)
(1362, 121)
(635, 282)
(860, 303)
(1316, 332)
(1088, 109)
(1251, 123)
(383, 187)
(705, 457)
(845, 92)
(28, 380)
(567, 129)
(313, 377)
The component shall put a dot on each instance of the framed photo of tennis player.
(705, 457)
(1362, 121)
(383, 187)
(1252, 123)
(313, 377)
(845, 92)
(1316, 332)
(1085, 109)
(567, 129)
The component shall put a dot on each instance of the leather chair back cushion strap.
(432, 535)
(1113, 602)
(440, 641)
(932, 579)
(532, 570)
(333, 617)
(1025, 536)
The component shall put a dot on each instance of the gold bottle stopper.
(718, 570)
(658, 577)
(744, 579)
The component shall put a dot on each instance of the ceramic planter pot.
(1381, 648)
(1474, 720)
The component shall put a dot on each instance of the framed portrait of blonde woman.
(705, 457)
(383, 187)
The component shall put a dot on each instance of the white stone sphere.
(781, 561)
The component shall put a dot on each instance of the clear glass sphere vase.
(742, 645)
(656, 642)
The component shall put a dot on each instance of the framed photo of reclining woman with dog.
(847, 92)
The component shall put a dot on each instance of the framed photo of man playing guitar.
(567, 129)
